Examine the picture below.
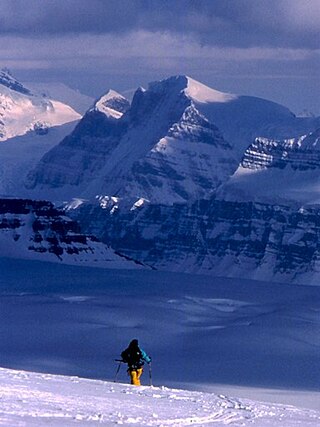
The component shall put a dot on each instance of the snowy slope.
(22, 111)
(32, 399)
(20, 154)
(63, 93)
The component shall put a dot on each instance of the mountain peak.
(173, 83)
(112, 104)
(194, 90)
(111, 94)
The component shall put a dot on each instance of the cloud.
(237, 23)
(85, 50)
(96, 44)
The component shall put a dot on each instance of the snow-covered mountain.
(278, 171)
(36, 399)
(22, 111)
(300, 154)
(36, 230)
(112, 104)
(166, 147)
(161, 149)
(63, 93)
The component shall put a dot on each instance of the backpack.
(132, 356)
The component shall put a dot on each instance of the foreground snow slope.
(31, 399)
(198, 329)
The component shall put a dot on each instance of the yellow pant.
(135, 375)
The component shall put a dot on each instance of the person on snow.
(135, 357)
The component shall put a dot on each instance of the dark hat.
(134, 343)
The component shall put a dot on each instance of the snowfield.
(258, 341)
(32, 399)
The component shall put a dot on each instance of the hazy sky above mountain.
(267, 48)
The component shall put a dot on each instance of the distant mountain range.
(191, 179)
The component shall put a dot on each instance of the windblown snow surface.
(210, 336)
(30, 399)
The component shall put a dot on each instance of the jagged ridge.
(300, 153)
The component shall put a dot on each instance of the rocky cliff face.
(36, 230)
(298, 153)
(236, 239)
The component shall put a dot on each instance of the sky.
(265, 48)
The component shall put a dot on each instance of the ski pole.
(118, 369)
(150, 374)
